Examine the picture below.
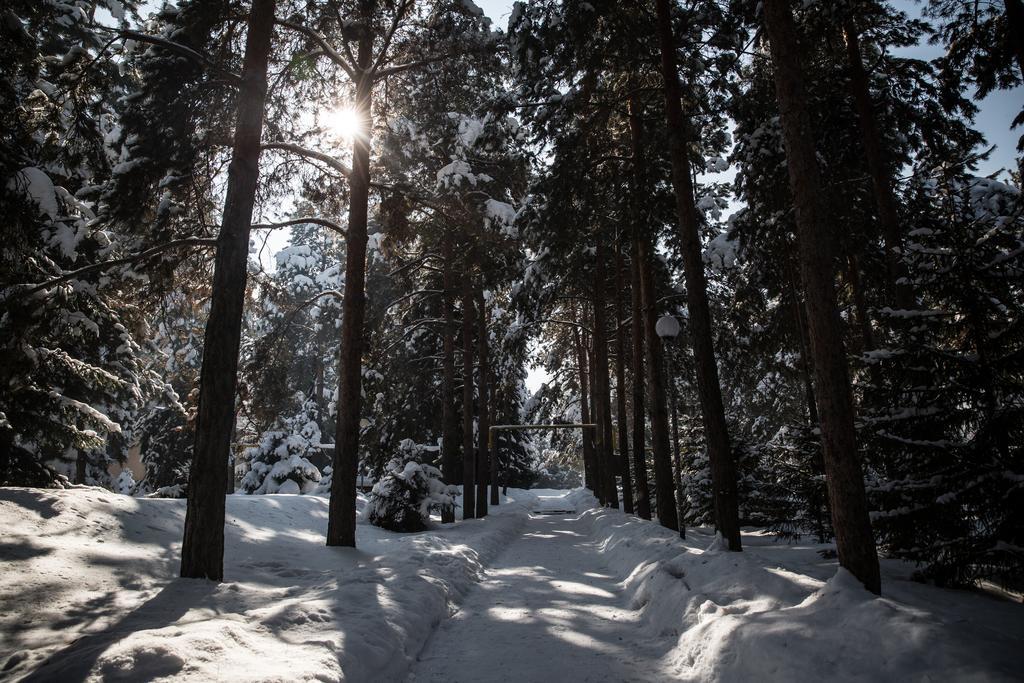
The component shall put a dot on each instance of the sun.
(343, 122)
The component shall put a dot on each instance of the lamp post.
(667, 328)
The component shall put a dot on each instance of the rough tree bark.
(468, 455)
(584, 380)
(845, 479)
(483, 474)
(449, 420)
(636, 336)
(603, 400)
(341, 523)
(620, 388)
(202, 551)
(723, 466)
(663, 487)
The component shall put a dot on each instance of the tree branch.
(330, 225)
(399, 14)
(331, 53)
(104, 265)
(336, 164)
(177, 48)
(393, 70)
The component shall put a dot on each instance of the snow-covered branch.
(176, 48)
(305, 220)
(104, 265)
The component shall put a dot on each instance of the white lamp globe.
(667, 327)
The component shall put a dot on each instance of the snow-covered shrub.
(407, 493)
(125, 483)
(324, 485)
(278, 464)
(176, 491)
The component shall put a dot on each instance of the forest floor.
(88, 592)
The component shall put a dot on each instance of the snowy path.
(547, 609)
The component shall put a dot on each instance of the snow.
(452, 175)
(720, 252)
(39, 188)
(548, 587)
(501, 215)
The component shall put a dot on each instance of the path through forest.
(547, 609)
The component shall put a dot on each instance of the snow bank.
(89, 589)
(764, 615)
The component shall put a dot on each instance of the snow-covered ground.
(88, 591)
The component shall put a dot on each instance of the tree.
(202, 553)
(723, 472)
(845, 478)
(75, 376)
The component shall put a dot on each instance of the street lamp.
(667, 328)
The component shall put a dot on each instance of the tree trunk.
(603, 400)
(620, 389)
(588, 444)
(845, 479)
(596, 419)
(202, 550)
(860, 304)
(636, 337)
(492, 465)
(483, 474)
(663, 486)
(81, 462)
(341, 523)
(723, 466)
(677, 459)
(1015, 17)
(799, 319)
(468, 454)
(449, 420)
(898, 283)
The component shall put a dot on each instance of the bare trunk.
(860, 305)
(493, 451)
(202, 550)
(595, 417)
(584, 381)
(483, 475)
(677, 460)
(639, 427)
(663, 486)
(620, 389)
(606, 453)
(845, 479)
(449, 420)
(1015, 17)
(800, 320)
(341, 523)
(881, 173)
(468, 455)
(81, 461)
(723, 466)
